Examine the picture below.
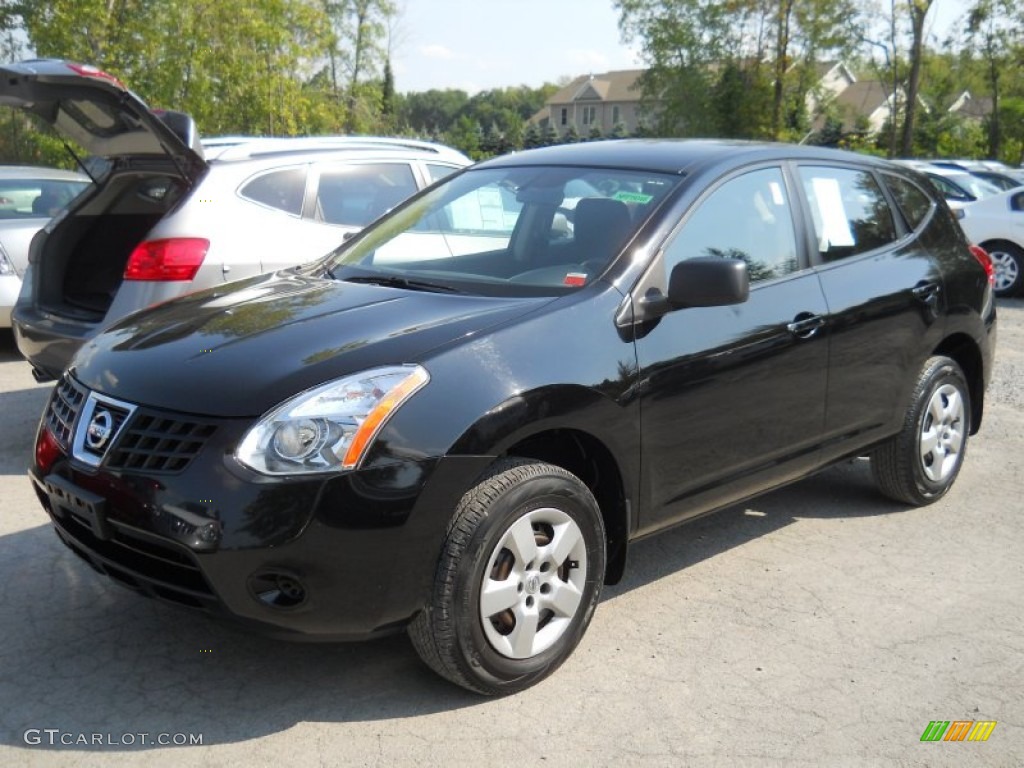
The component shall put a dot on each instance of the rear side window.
(912, 202)
(438, 172)
(23, 198)
(949, 190)
(355, 195)
(851, 215)
(283, 189)
(748, 217)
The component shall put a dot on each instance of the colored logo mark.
(958, 730)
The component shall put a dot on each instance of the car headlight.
(329, 428)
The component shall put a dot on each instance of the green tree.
(680, 41)
(995, 29)
(467, 136)
(549, 135)
(237, 66)
(1011, 117)
(387, 98)
(357, 52)
(531, 137)
(918, 11)
(697, 48)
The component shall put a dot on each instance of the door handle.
(805, 325)
(927, 292)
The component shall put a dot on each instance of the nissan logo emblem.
(98, 432)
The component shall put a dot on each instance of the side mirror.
(708, 281)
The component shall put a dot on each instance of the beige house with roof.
(590, 101)
(971, 108)
(613, 98)
(865, 102)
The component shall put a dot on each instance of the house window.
(589, 115)
(565, 115)
(616, 117)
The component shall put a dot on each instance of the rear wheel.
(1008, 261)
(920, 464)
(517, 581)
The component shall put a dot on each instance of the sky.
(481, 44)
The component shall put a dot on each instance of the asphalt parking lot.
(818, 625)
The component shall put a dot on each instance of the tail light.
(88, 70)
(176, 258)
(986, 262)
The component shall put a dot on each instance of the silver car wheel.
(1007, 270)
(942, 435)
(533, 584)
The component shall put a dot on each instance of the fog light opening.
(277, 589)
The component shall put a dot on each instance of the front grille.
(62, 410)
(144, 440)
(156, 443)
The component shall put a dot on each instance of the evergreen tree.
(531, 137)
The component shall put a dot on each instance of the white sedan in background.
(29, 196)
(997, 225)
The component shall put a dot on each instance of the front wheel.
(517, 581)
(918, 466)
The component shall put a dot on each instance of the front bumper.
(342, 558)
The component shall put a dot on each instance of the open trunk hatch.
(150, 159)
(96, 111)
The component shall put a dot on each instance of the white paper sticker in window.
(777, 197)
(834, 223)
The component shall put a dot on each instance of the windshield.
(976, 187)
(513, 231)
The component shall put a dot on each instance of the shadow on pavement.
(845, 490)
(19, 416)
(85, 656)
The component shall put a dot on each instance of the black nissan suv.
(456, 423)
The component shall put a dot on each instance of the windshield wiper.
(393, 281)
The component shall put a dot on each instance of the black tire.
(1008, 260)
(920, 464)
(506, 652)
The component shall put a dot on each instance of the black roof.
(669, 155)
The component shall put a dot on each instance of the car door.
(884, 293)
(733, 397)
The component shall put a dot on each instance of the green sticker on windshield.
(632, 197)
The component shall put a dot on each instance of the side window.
(355, 195)
(283, 189)
(851, 215)
(949, 190)
(912, 202)
(437, 172)
(749, 218)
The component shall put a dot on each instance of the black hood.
(241, 349)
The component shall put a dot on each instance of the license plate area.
(67, 499)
